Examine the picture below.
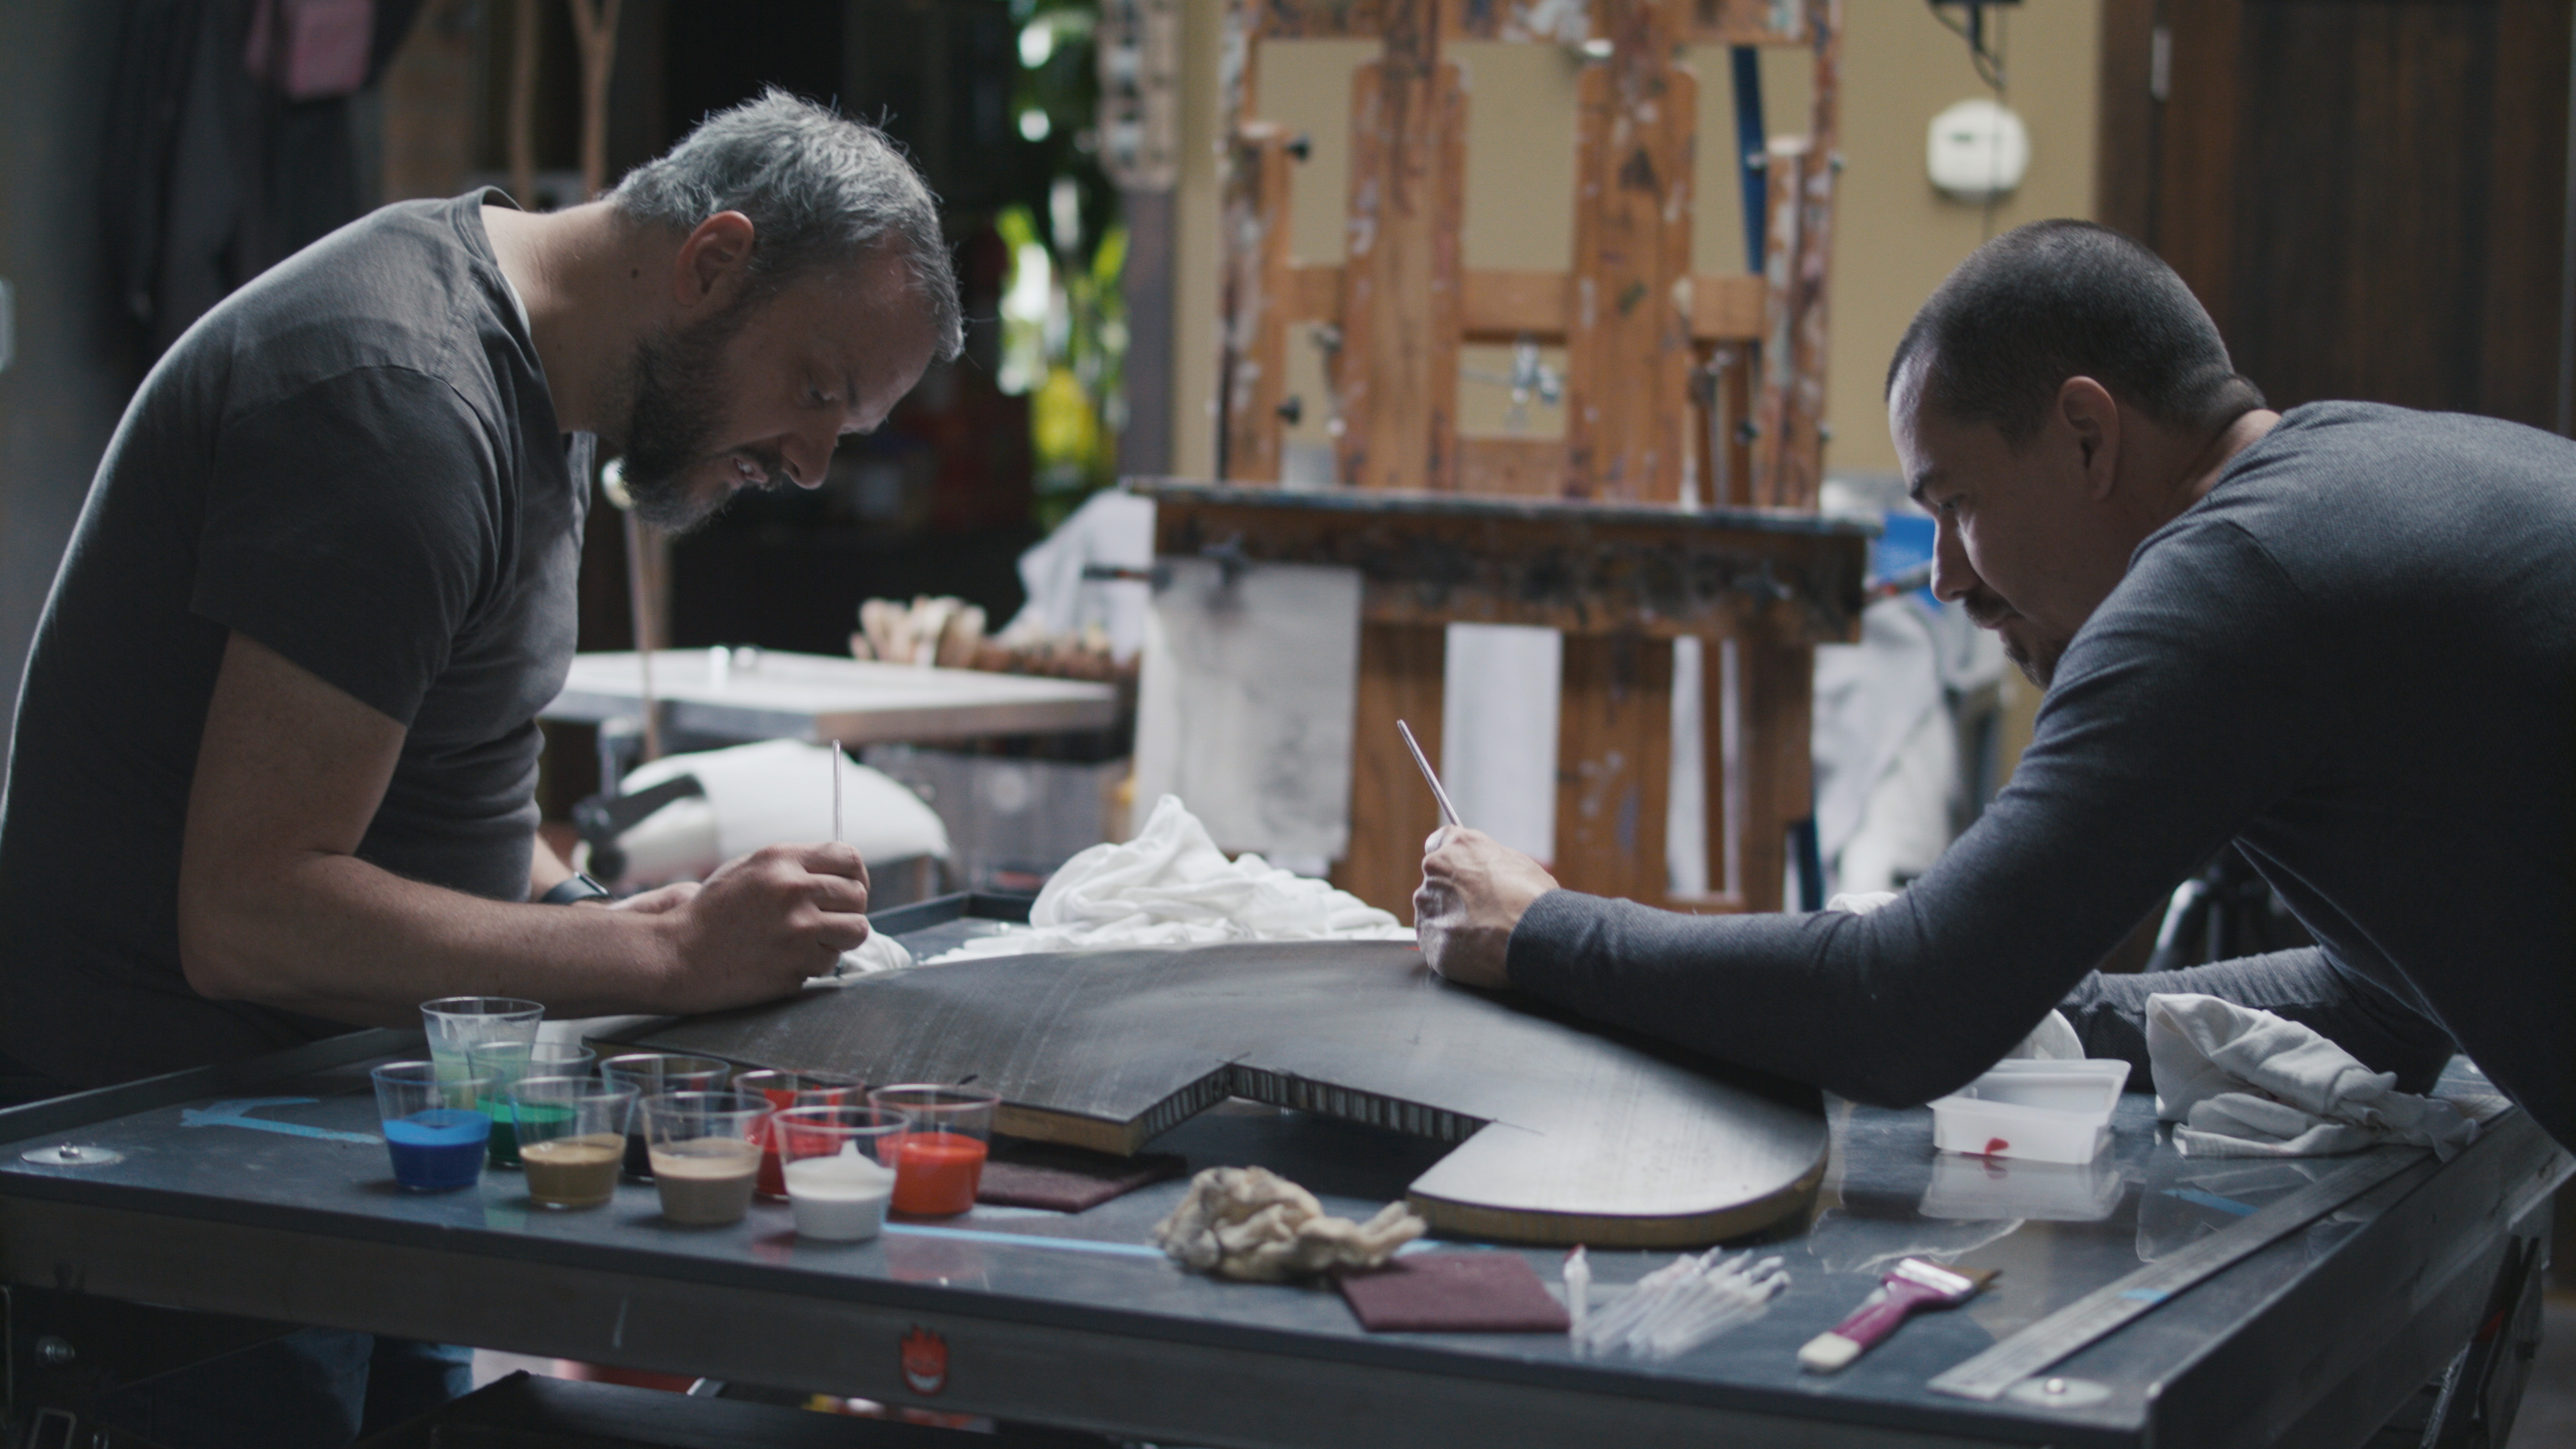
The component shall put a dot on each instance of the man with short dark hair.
(276, 748)
(2340, 638)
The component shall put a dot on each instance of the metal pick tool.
(836, 792)
(1448, 812)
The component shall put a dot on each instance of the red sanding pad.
(1067, 1179)
(1453, 1293)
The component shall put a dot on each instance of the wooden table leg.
(1779, 762)
(1614, 754)
(1401, 677)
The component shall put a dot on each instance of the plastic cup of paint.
(939, 1160)
(836, 1167)
(706, 1153)
(505, 1063)
(457, 1024)
(572, 1136)
(652, 1074)
(432, 1130)
(794, 1089)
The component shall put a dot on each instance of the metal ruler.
(2099, 1312)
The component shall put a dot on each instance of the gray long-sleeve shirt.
(2352, 657)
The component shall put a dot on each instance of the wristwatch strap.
(574, 887)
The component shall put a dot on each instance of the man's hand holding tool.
(1474, 889)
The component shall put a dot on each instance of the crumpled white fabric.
(879, 952)
(2053, 1040)
(2246, 1083)
(1171, 886)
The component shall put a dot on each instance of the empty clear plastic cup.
(795, 1089)
(706, 1153)
(457, 1024)
(939, 1161)
(432, 1129)
(838, 1168)
(572, 1135)
(652, 1074)
(504, 1063)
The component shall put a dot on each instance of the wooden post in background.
(1802, 442)
(1627, 429)
(1402, 668)
(1396, 372)
(1776, 685)
(1628, 345)
(594, 26)
(1784, 165)
(1614, 753)
(1254, 309)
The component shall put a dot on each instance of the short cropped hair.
(818, 187)
(2059, 299)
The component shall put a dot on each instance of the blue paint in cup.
(438, 1150)
(431, 1126)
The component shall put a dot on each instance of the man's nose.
(808, 458)
(1953, 577)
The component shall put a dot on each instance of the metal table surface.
(1073, 1320)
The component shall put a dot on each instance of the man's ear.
(711, 260)
(2093, 415)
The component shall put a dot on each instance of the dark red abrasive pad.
(1494, 1292)
(1021, 1173)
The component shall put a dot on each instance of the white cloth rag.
(1171, 886)
(2245, 1083)
(2053, 1040)
(879, 952)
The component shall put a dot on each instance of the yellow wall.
(1895, 236)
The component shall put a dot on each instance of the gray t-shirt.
(354, 461)
(2353, 657)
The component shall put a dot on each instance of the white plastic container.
(2042, 1111)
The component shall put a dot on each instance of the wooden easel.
(1674, 457)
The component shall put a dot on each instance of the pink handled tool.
(1912, 1284)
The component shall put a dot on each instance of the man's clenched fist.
(1474, 889)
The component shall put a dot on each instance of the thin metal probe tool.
(1448, 812)
(836, 792)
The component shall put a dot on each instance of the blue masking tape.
(234, 1114)
(1021, 1240)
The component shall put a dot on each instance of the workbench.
(259, 1189)
(771, 694)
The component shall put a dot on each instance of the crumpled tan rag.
(1252, 1224)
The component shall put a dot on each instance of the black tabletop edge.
(70, 1113)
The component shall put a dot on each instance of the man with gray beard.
(276, 750)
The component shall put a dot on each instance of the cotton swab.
(1682, 1305)
(1578, 1290)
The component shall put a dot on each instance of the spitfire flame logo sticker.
(925, 1362)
